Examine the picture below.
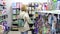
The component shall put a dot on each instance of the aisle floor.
(17, 32)
(13, 32)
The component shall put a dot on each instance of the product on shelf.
(40, 7)
(13, 16)
(5, 16)
(4, 23)
(58, 25)
(15, 22)
(36, 15)
(50, 6)
(14, 25)
(4, 12)
(29, 8)
(45, 6)
(18, 5)
(36, 4)
(0, 13)
(13, 5)
(17, 11)
(54, 0)
(1, 19)
(14, 11)
(42, 22)
(54, 5)
(32, 4)
(1, 29)
(44, 29)
(1, 7)
(58, 5)
(32, 9)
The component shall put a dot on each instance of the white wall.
(9, 2)
(27, 1)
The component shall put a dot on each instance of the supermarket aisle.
(14, 32)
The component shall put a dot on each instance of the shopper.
(24, 15)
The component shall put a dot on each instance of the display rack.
(55, 14)
(15, 20)
(3, 13)
(15, 13)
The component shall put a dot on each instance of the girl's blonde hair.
(24, 8)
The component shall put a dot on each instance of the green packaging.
(15, 22)
(54, 0)
(14, 16)
(17, 11)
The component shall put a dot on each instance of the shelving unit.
(3, 13)
(52, 11)
(30, 11)
(15, 13)
(58, 24)
(15, 20)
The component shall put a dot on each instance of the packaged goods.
(14, 11)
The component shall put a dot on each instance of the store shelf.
(15, 23)
(14, 19)
(14, 26)
(15, 12)
(15, 8)
(14, 29)
(52, 11)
